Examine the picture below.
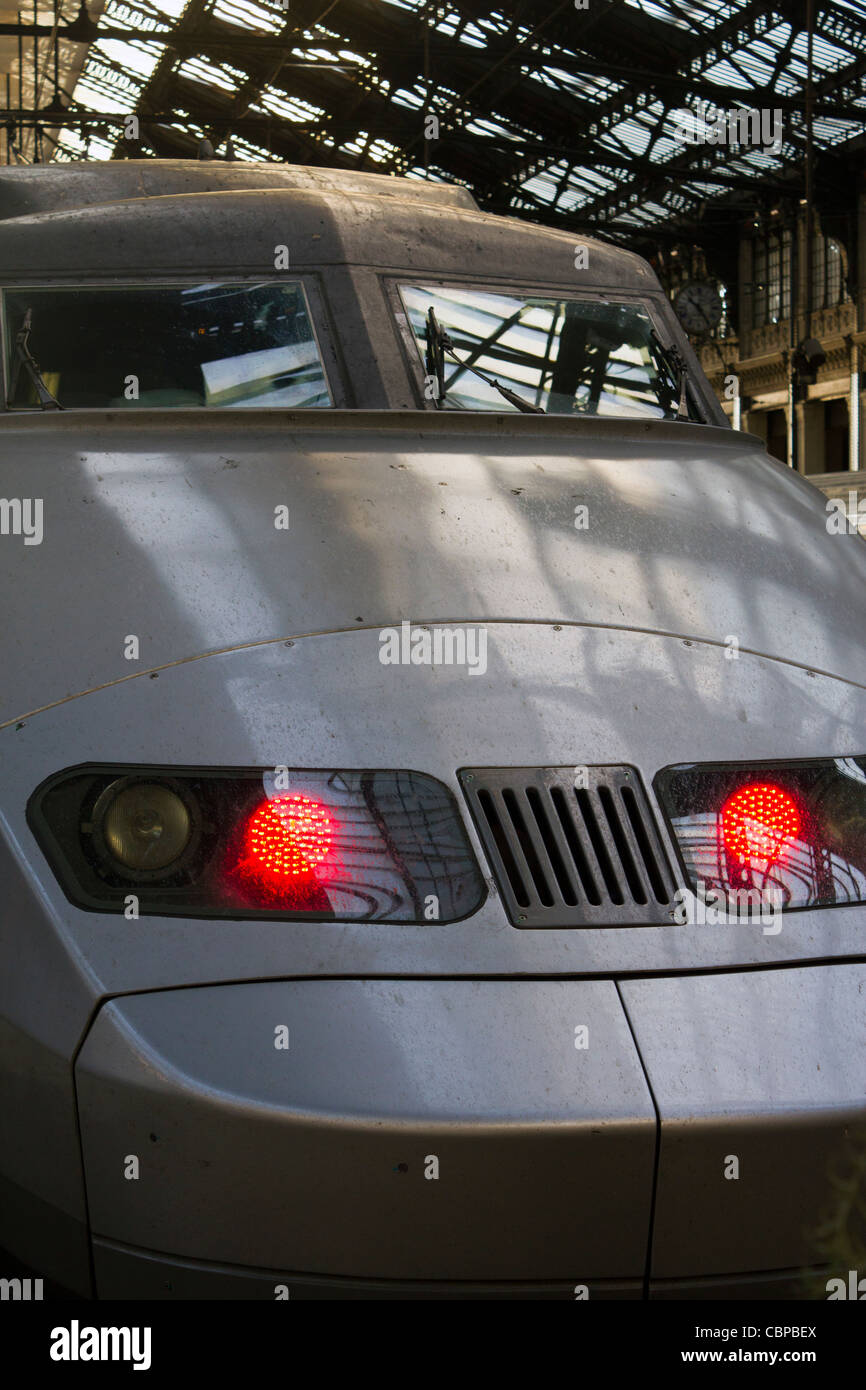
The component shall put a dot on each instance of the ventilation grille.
(571, 853)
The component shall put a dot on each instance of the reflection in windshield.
(202, 345)
(567, 356)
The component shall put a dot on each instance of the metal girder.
(563, 128)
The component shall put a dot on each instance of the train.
(433, 749)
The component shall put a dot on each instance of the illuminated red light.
(757, 821)
(288, 836)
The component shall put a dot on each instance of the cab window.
(563, 356)
(171, 345)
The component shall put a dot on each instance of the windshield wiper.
(28, 362)
(438, 344)
(434, 358)
(675, 365)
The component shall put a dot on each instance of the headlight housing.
(372, 845)
(793, 833)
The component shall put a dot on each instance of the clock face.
(698, 307)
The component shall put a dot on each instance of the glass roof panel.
(520, 101)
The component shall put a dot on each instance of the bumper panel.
(768, 1068)
(125, 1273)
(144, 1275)
(316, 1157)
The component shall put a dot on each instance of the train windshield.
(158, 346)
(562, 356)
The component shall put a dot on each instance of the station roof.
(591, 119)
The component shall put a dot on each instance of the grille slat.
(569, 856)
(509, 853)
(626, 848)
(551, 836)
(571, 831)
(602, 844)
(531, 846)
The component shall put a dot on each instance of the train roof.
(35, 188)
(66, 223)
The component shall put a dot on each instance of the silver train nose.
(370, 1138)
(383, 1130)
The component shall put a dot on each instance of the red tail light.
(791, 833)
(289, 836)
(283, 842)
(757, 823)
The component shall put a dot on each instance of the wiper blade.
(434, 358)
(28, 362)
(438, 344)
(512, 396)
(674, 364)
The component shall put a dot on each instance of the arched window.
(771, 278)
(829, 272)
(836, 272)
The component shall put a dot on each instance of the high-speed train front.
(433, 836)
